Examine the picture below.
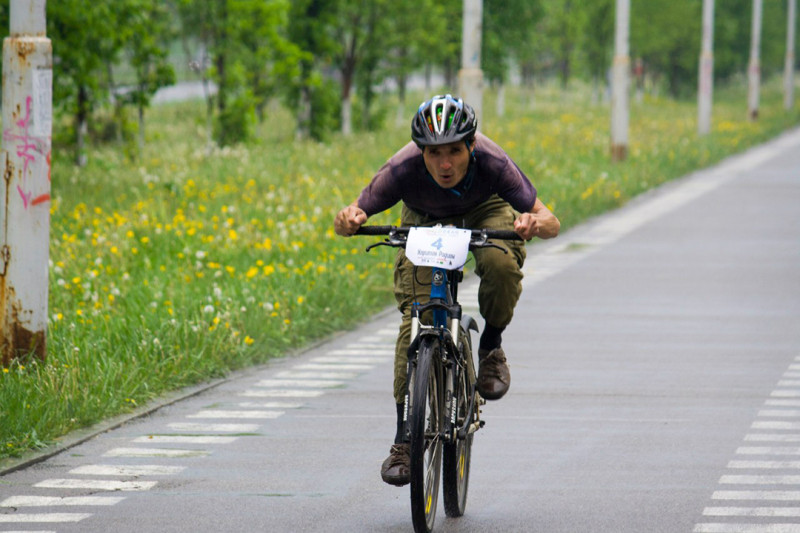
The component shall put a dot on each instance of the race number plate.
(438, 247)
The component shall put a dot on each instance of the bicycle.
(442, 405)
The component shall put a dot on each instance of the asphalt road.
(655, 358)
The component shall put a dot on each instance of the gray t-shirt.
(404, 178)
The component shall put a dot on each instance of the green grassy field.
(182, 266)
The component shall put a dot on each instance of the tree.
(84, 42)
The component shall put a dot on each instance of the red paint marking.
(41, 199)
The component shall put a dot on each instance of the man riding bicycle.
(452, 175)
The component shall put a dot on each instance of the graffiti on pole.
(29, 148)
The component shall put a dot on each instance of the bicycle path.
(655, 387)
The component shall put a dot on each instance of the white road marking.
(184, 439)
(44, 501)
(783, 403)
(342, 359)
(359, 351)
(772, 437)
(96, 484)
(768, 450)
(127, 470)
(333, 366)
(270, 405)
(43, 517)
(212, 413)
(199, 427)
(759, 480)
(773, 424)
(779, 413)
(296, 374)
(153, 452)
(747, 528)
(778, 495)
(751, 511)
(764, 464)
(289, 383)
(785, 393)
(278, 393)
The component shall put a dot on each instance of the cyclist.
(452, 175)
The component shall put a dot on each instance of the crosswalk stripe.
(333, 366)
(348, 359)
(775, 424)
(278, 393)
(127, 470)
(788, 413)
(360, 351)
(759, 480)
(295, 374)
(752, 511)
(153, 452)
(288, 383)
(200, 427)
(270, 405)
(210, 413)
(772, 437)
(764, 464)
(768, 450)
(96, 484)
(747, 528)
(43, 501)
(43, 517)
(184, 439)
(779, 495)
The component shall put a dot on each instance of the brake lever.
(485, 243)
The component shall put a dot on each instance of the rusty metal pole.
(788, 70)
(470, 77)
(754, 68)
(620, 82)
(25, 212)
(705, 90)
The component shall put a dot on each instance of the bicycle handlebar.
(505, 235)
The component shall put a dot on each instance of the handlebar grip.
(373, 230)
(502, 234)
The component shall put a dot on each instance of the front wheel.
(426, 418)
(457, 453)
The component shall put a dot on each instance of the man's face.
(447, 163)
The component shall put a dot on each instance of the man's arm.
(349, 219)
(538, 222)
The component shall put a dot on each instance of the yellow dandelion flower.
(252, 272)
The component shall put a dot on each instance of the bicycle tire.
(426, 417)
(457, 454)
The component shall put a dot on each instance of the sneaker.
(494, 376)
(396, 469)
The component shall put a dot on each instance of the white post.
(620, 82)
(25, 213)
(754, 68)
(788, 71)
(470, 77)
(705, 88)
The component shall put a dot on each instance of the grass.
(182, 266)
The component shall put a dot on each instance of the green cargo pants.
(500, 275)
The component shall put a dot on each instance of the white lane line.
(43, 517)
(96, 484)
(777, 495)
(783, 403)
(788, 383)
(298, 374)
(213, 413)
(751, 511)
(775, 424)
(772, 437)
(153, 452)
(785, 393)
(779, 413)
(759, 480)
(127, 470)
(270, 405)
(200, 427)
(44, 501)
(768, 450)
(747, 528)
(289, 383)
(342, 359)
(765, 464)
(184, 439)
(278, 393)
(333, 366)
(358, 351)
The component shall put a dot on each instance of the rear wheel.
(426, 417)
(457, 454)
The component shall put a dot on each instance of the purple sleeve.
(385, 189)
(510, 183)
